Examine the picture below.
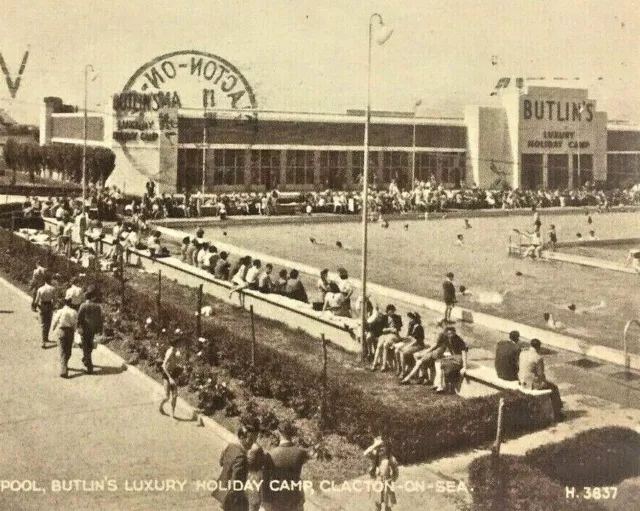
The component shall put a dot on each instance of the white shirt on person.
(65, 317)
(252, 275)
(238, 278)
(345, 287)
(75, 294)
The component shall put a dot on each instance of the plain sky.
(310, 55)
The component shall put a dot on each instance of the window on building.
(189, 170)
(531, 171)
(333, 169)
(265, 167)
(426, 166)
(395, 166)
(558, 171)
(582, 169)
(228, 166)
(300, 167)
(357, 167)
(623, 170)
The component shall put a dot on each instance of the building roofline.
(270, 115)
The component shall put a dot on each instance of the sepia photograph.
(320, 255)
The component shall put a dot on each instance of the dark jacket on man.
(234, 468)
(283, 467)
(507, 354)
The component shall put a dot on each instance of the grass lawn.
(416, 259)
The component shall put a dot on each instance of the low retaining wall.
(593, 262)
(279, 308)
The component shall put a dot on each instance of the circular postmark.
(187, 79)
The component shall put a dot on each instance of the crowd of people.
(334, 296)
(109, 202)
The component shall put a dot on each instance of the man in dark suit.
(283, 489)
(230, 490)
(507, 354)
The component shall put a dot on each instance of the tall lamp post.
(413, 145)
(84, 145)
(383, 33)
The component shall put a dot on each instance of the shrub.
(517, 486)
(538, 480)
(598, 457)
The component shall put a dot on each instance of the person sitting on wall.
(506, 359)
(294, 289)
(203, 253)
(425, 358)
(281, 284)
(407, 347)
(265, 284)
(238, 278)
(221, 270)
(184, 248)
(333, 299)
(211, 259)
(531, 376)
(390, 335)
(452, 365)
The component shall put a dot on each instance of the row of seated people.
(442, 364)
(245, 273)
(435, 365)
(335, 296)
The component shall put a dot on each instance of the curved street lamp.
(84, 146)
(382, 34)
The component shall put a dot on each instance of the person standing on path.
(235, 470)
(449, 292)
(170, 372)
(384, 468)
(90, 323)
(44, 303)
(64, 325)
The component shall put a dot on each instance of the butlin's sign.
(556, 125)
(186, 79)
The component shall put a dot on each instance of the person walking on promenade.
(235, 470)
(75, 294)
(64, 325)
(44, 303)
(170, 372)
(37, 280)
(384, 468)
(90, 323)
(449, 292)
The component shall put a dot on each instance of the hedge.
(538, 480)
(414, 435)
(63, 158)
